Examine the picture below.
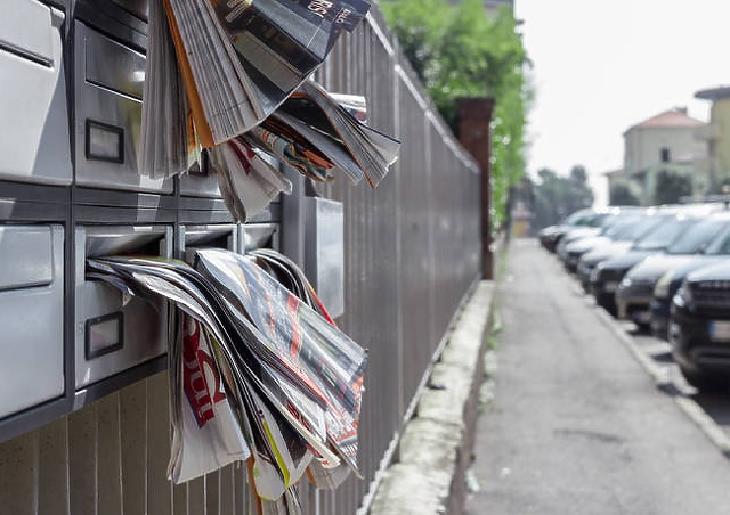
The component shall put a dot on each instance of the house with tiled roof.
(664, 144)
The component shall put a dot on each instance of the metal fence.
(412, 253)
(412, 246)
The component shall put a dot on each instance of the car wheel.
(706, 383)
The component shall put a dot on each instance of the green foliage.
(556, 197)
(671, 187)
(621, 195)
(458, 51)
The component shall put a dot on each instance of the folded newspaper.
(259, 372)
(229, 64)
(233, 77)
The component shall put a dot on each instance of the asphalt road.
(577, 426)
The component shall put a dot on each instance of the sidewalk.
(576, 425)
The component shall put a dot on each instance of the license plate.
(719, 330)
(643, 317)
(611, 287)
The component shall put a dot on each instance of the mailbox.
(113, 333)
(109, 83)
(31, 315)
(324, 251)
(34, 137)
(191, 237)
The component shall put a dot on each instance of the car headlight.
(594, 274)
(685, 294)
(661, 290)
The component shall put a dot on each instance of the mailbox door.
(34, 135)
(31, 315)
(113, 333)
(108, 86)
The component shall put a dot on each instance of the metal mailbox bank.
(72, 76)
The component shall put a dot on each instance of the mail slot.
(34, 136)
(109, 83)
(113, 332)
(258, 236)
(192, 237)
(31, 315)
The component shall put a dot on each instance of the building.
(663, 145)
(716, 135)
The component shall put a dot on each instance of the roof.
(673, 119)
(717, 93)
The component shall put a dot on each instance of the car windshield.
(720, 246)
(577, 218)
(620, 225)
(664, 235)
(597, 221)
(698, 239)
(638, 230)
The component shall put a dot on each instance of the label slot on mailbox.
(104, 335)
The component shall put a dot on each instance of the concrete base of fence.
(435, 449)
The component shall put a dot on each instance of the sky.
(600, 66)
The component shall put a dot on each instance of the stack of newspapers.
(259, 372)
(233, 77)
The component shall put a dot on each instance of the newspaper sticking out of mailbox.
(231, 76)
(238, 60)
(261, 363)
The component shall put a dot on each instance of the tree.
(458, 51)
(578, 174)
(621, 195)
(671, 187)
(556, 197)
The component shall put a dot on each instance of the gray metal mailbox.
(324, 251)
(109, 83)
(114, 333)
(31, 315)
(34, 139)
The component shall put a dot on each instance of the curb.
(663, 381)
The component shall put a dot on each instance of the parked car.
(575, 244)
(700, 327)
(550, 236)
(671, 270)
(635, 291)
(604, 285)
(619, 228)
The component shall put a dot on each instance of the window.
(665, 155)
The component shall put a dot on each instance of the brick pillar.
(475, 117)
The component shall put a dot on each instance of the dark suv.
(700, 327)
(671, 270)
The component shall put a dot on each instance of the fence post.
(475, 134)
